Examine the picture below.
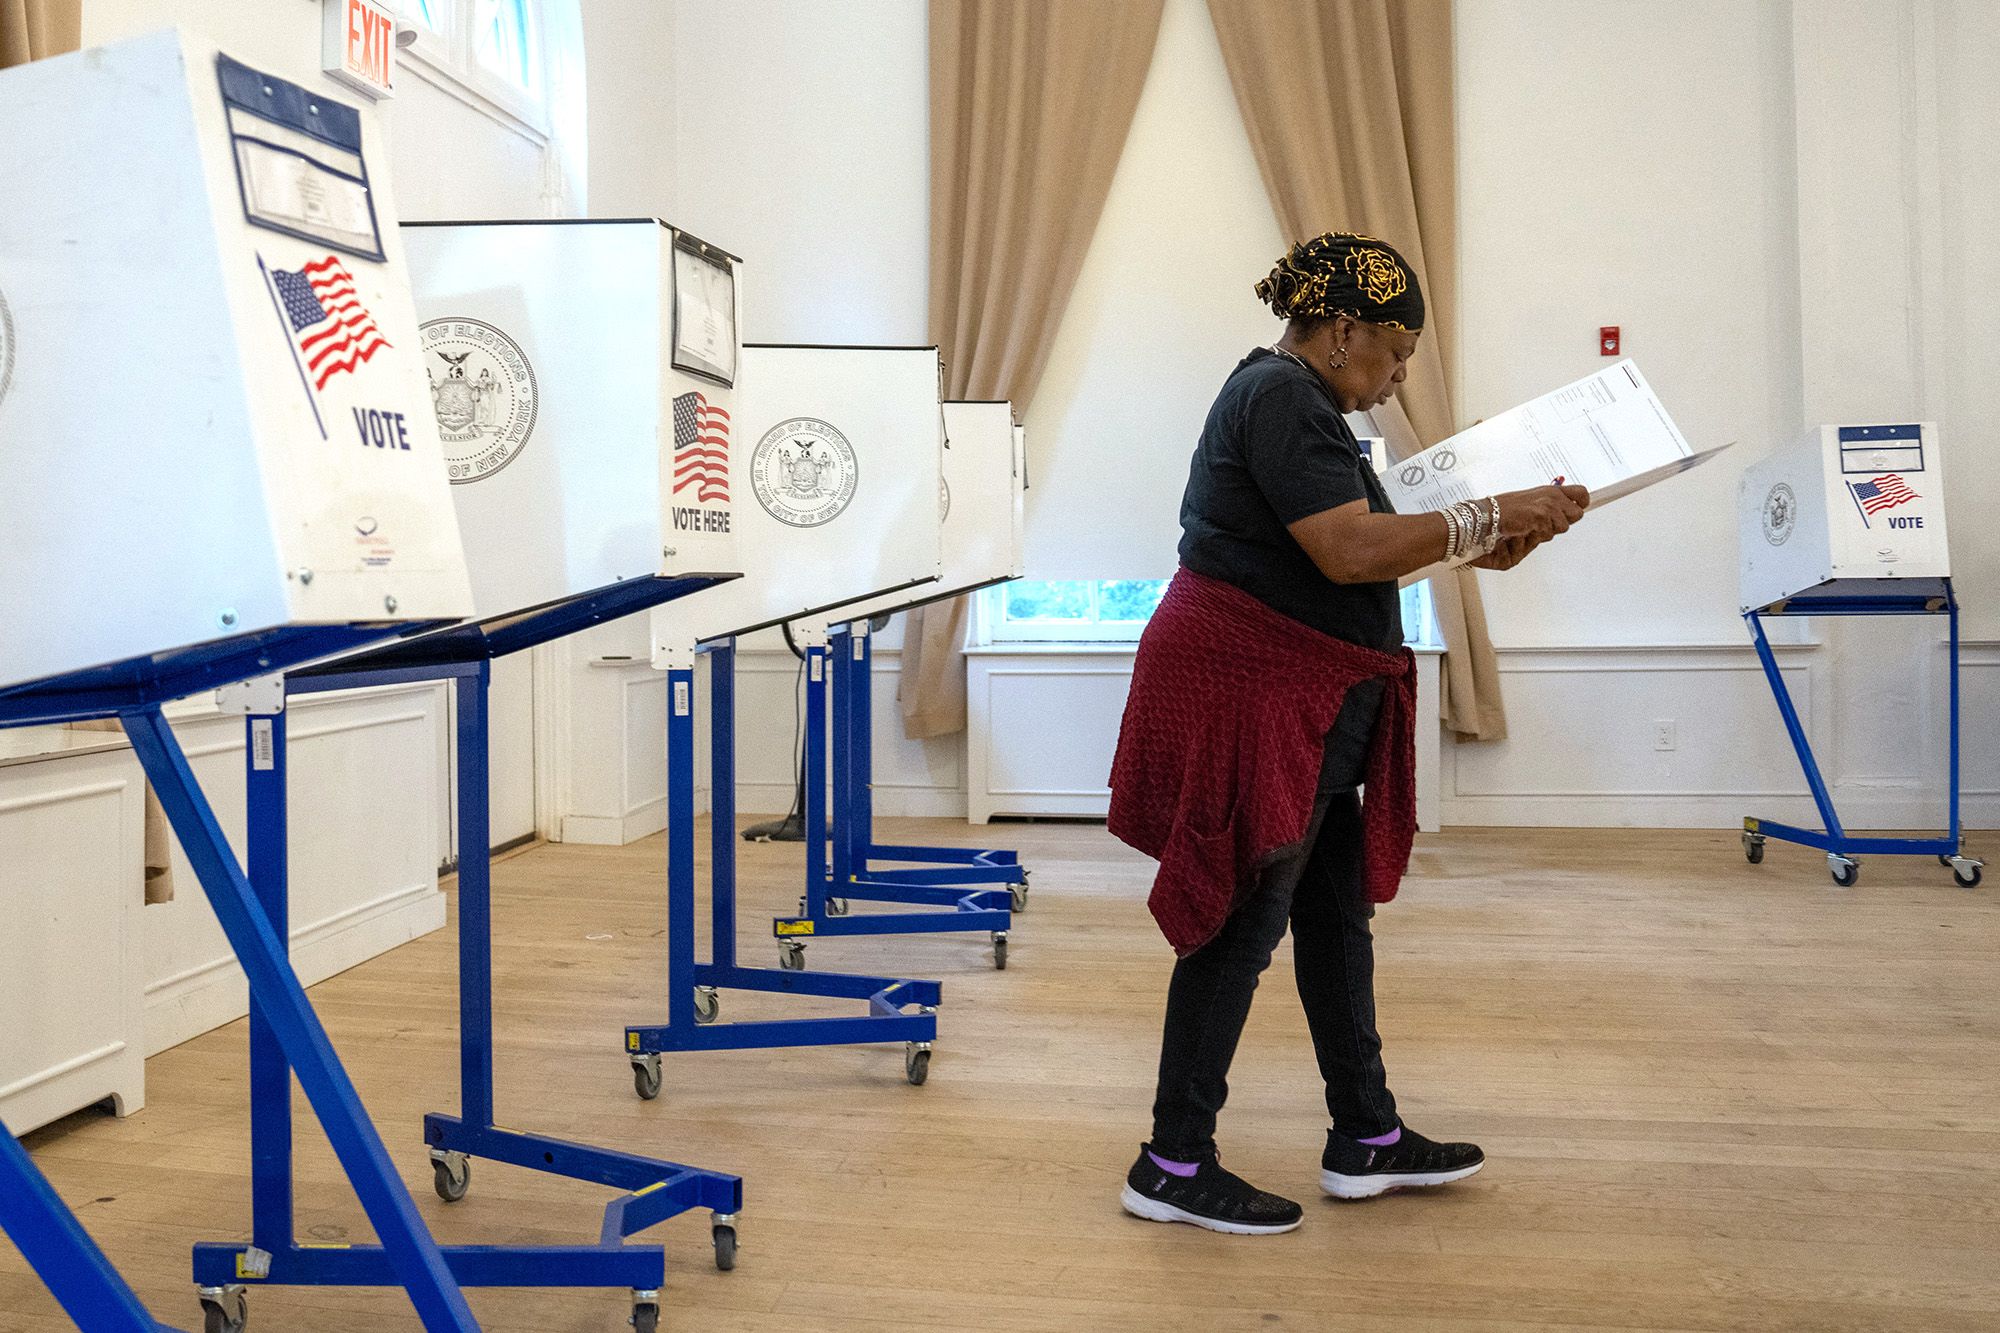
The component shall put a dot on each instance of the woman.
(1270, 684)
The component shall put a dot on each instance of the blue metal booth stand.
(48, 1234)
(1919, 597)
(693, 988)
(653, 1191)
(980, 888)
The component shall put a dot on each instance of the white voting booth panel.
(581, 451)
(840, 455)
(1853, 505)
(213, 417)
(981, 511)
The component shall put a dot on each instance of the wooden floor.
(1713, 1097)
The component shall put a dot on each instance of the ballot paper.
(1607, 432)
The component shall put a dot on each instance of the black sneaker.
(1350, 1170)
(1211, 1197)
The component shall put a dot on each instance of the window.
(1116, 611)
(485, 51)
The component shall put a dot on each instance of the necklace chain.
(1290, 355)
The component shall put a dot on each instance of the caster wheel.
(792, 956)
(1753, 849)
(1845, 872)
(917, 1063)
(451, 1175)
(707, 1004)
(646, 1077)
(725, 1247)
(1000, 951)
(225, 1312)
(1019, 894)
(836, 907)
(646, 1317)
(1944, 860)
(1967, 873)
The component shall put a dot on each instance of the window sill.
(503, 105)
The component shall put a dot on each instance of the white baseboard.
(642, 821)
(1978, 811)
(204, 998)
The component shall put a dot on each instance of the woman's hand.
(1510, 552)
(1541, 513)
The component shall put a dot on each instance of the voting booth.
(840, 471)
(1850, 521)
(840, 485)
(213, 418)
(216, 462)
(580, 376)
(1853, 509)
(983, 510)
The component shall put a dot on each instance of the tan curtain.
(32, 29)
(1030, 104)
(1349, 108)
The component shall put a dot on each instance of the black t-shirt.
(1276, 449)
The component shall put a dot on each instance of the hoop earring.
(1340, 364)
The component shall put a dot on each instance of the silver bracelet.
(1465, 524)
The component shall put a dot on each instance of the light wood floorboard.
(1715, 1097)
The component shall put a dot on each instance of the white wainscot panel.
(1979, 733)
(364, 780)
(1043, 729)
(72, 884)
(1583, 728)
(915, 778)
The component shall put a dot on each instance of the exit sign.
(359, 44)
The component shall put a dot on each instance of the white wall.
(1162, 310)
(629, 66)
(1630, 164)
(802, 143)
(1754, 192)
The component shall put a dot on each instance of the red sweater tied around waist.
(1219, 754)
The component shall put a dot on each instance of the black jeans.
(1315, 887)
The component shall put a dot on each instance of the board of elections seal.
(484, 390)
(1781, 514)
(944, 499)
(804, 472)
(6, 348)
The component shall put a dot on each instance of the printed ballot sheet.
(1608, 433)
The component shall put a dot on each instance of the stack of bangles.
(1472, 529)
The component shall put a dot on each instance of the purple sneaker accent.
(1383, 1140)
(1185, 1170)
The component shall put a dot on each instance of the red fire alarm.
(1607, 340)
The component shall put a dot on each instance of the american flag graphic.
(701, 448)
(1884, 492)
(334, 330)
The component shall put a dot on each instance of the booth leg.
(413, 1253)
(59, 1250)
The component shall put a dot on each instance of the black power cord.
(792, 828)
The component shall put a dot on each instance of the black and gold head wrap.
(1340, 273)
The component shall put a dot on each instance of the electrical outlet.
(1664, 735)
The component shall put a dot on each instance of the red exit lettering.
(371, 36)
